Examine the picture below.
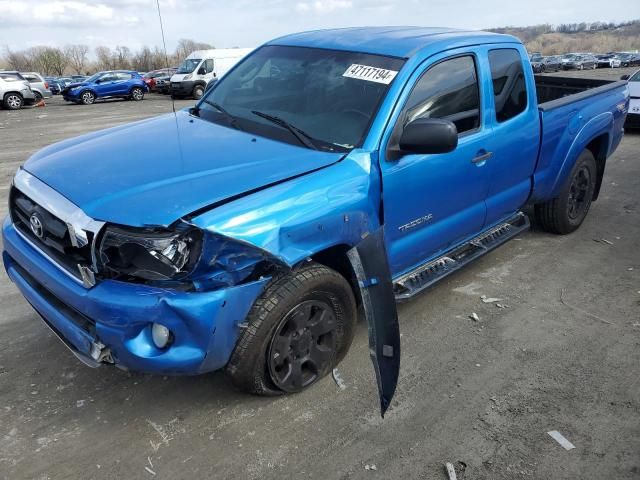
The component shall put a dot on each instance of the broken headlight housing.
(149, 254)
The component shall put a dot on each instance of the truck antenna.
(166, 56)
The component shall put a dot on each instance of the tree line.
(76, 59)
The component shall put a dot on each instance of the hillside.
(580, 37)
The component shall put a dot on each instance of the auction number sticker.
(371, 74)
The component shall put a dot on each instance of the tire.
(565, 213)
(543, 69)
(137, 94)
(198, 92)
(87, 97)
(303, 322)
(38, 96)
(13, 101)
(581, 66)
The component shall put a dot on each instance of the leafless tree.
(186, 46)
(77, 57)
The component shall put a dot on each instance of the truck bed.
(575, 113)
(555, 91)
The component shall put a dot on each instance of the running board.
(429, 273)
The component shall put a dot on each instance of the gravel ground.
(481, 395)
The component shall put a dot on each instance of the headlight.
(187, 77)
(149, 254)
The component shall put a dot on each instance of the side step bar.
(427, 274)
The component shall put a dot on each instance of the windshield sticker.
(371, 74)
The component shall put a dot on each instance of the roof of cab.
(401, 42)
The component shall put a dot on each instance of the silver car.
(15, 91)
(38, 84)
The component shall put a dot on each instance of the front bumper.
(118, 315)
(183, 88)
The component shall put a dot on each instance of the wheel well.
(598, 147)
(12, 93)
(336, 258)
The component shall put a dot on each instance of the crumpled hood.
(156, 171)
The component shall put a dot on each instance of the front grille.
(54, 238)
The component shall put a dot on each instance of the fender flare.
(599, 125)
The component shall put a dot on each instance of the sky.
(244, 23)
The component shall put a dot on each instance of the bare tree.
(122, 57)
(77, 57)
(104, 58)
(186, 46)
(17, 60)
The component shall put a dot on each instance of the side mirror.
(429, 135)
(624, 77)
(202, 71)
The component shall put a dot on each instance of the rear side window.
(123, 76)
(509, 87)
(448, 90)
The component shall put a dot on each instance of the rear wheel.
(565, 213)
(137, 94)
(37, 96)
(13, 101)
(298, 330)
(87, 97)
(198, 91)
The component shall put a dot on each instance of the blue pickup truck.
(326, 171)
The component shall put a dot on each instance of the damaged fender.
(369, 262)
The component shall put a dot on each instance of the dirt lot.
(478, 394)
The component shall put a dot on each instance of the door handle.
(482, 158)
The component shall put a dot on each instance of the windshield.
(330, 97)
(189, 65)
(92, 78)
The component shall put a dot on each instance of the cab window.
(448, 90)
(509, 86)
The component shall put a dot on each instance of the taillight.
(46, 85)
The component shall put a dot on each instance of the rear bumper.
(118, 315)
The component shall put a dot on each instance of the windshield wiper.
(302, 136)
(232, 119)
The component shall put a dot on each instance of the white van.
(202, 67)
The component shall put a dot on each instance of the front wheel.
(565, 213)
(87, 97)
(198, 92)
(137, 94)
(297, 331)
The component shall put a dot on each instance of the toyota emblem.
(36, 226)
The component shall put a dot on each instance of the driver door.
(434, 201)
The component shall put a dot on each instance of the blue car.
(113, 84)
(324, 171)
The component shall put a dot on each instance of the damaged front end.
(182, 257)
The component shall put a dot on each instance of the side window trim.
(392, 142)
(525, 106)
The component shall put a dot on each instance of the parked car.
(38, 84)
(608, 61)
(546, 64)
(15, 91)
(150, 78)
(633, 117)
(202, 66)
(629, 59)
(163, 85)
(240, 233)
(111, 84)
(579, 62)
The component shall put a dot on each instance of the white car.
(15, 91)
(633, 116)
